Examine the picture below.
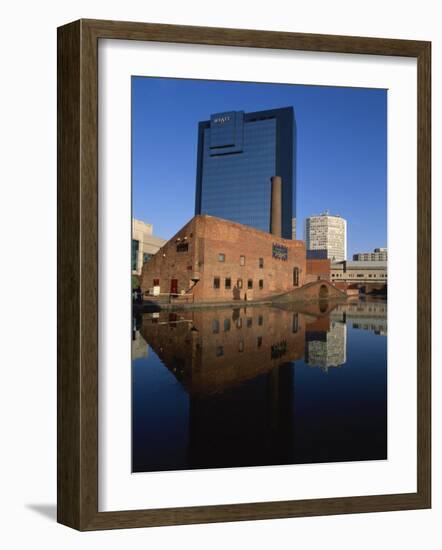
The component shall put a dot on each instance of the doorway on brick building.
(174, 286)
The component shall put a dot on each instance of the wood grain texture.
(424, 275)
(252, 38)
(68, 276)
(78, 274)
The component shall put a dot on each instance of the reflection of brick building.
(235, 366)
(212, 260)
(213, 349)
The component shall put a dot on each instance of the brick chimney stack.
(276, 207)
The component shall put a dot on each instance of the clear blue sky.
(341, 150)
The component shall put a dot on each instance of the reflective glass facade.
(238, 153)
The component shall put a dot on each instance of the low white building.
(144, 244)
(359, 272)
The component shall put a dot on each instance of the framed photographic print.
(243, 274)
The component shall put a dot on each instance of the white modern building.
(327, 233)
(144, 244)
(359, 272)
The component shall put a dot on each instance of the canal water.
(256, 386)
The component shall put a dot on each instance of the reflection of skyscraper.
(327, 348)
(225, 359)
(222, 390)
(238, 153)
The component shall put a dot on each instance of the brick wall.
(207, 238)
(172, 262)
(318, 269)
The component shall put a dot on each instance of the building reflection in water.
(139, 344)
(239, 370)
(370, 316)
(327, 347)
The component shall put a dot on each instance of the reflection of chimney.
(276, 207)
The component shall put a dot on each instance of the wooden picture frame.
(78, 274)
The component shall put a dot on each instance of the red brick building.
(319, 269)
(211, 260)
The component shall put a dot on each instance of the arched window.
(323, 292)
(295, 323)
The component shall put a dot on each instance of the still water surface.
(259, 386)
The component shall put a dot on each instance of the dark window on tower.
(182, 247)
(261, 284)
(261, 262)
(250, 283)
(228, 282)
(226, 325)
(296, 276)
(259, 341)
(260, 320)
(216, 282)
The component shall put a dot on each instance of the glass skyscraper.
(238, 153)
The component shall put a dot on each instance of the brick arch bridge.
(317, 290)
